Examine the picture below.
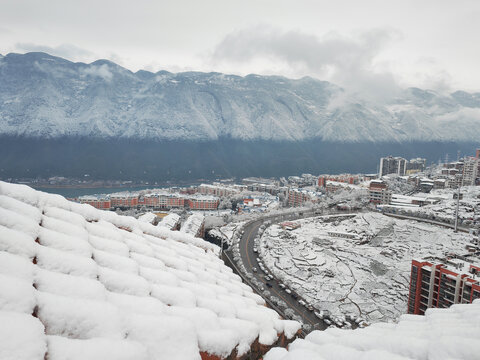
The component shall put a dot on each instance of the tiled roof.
(81, 283)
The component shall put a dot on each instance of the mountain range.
(65, 118)
(47, 96)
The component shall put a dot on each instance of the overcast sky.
(371, 45)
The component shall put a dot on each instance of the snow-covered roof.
(451, 333)
(193, 224)
(94, 197)
(170, 221)
(81, 283)
(342, 184)
(148, 217)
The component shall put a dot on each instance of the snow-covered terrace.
(81, 283)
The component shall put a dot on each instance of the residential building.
(216, 189)
(124, 199)
(379, 193)
(392, 165)
(100, 202)
(470, 171)
(333, 186)
(441, 285)
(343, 178)
(415, 165)
(203, 202)
(297, 197)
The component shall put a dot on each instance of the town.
(359, 216)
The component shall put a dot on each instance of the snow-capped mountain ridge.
(47, 96)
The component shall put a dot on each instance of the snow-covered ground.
(368, 275)
(444, 209)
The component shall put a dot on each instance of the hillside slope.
(46, 96)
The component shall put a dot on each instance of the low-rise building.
(216, 189)
(203, 202)
(379, 193)
(100, 202)
(333, 186)
(342, 178)
(297, 197)
(124, 199)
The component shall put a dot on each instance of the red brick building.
(440, 285)
(203, 203)
(149, 200)
(378, 192)
(103, 203)
(124, 200)
(344, 178)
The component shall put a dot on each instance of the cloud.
(68, 51)
(347, 61)
(102, 71)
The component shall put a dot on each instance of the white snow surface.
(445, 209)
(441, 334)
(148, 217)
(367, 276)
(81, 283)
(193, 224)
(170, 221)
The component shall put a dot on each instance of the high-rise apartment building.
(392, 165)
(415, 165)
(442, 285)
(470, 170)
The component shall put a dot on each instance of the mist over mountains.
(55, 101)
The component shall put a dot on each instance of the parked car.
(268, 284)
(254, 269)
(319, 314)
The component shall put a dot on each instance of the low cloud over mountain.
(46, 96)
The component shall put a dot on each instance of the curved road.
(249, 259)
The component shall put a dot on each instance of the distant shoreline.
(92, 186)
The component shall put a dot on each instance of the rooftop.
(451, 333)
(81, 283)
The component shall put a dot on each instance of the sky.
(374, 46)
